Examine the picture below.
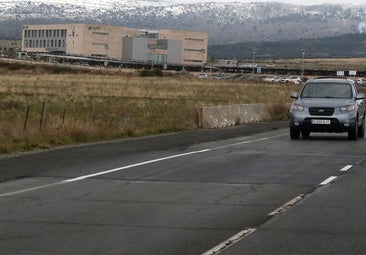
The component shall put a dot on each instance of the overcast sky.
(304, 2)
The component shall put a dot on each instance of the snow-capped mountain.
(225, 22)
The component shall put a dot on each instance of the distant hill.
(344, 46)
(226, 22)
(275, 30)
(348, 45)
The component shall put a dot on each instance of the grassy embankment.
(84, 105)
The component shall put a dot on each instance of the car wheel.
(294, 133)
(352, 134)
(361, 130)
(305, 133)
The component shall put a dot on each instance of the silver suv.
(328, 105)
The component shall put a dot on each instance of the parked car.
(361, 81)
(293, 80)
(328, 105)
(272, 79)
(202, 76)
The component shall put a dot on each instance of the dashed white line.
(327, 181)
(287, 205)
(232, 240)
(346, 168)
(236, 238)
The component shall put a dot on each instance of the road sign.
(352, 72)
(340, 73)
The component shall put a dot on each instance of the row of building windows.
(157, 58)
(194, 39)
(44, 33)
(193, 60)
(157, 47)
(100, 33)
(195, 50)
(44, 43)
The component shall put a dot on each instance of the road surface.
(261, 193)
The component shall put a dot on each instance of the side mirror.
(294, 95)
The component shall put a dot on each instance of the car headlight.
(297, 108)
(348, 108)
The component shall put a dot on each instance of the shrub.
(151, 73)
(279, 112)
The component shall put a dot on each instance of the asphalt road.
(237, 191)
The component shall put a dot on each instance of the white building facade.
(117, 42)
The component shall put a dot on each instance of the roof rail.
(331, 77)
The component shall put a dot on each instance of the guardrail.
(232, 115)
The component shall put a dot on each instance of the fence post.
(200, 117)
(26, 119)
(92, 115)
(43, 114)
(63, 117)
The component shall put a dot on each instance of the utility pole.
(303, 64)
(254, 52)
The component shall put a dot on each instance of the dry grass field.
(43, 108)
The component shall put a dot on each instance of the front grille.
(321, 111)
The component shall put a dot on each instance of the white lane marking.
(101, 173)
(250, 141)
(327, 181)
(30, 189)
(346, 168)
(236, 238)
(134, 165)
(239, 236)
(232, 240)
(130, 166)
(287, 205)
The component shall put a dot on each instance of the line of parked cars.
(287, 80)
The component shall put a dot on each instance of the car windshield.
(327, 90)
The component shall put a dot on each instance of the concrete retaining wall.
(232, 115)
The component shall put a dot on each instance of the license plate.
(320, 122)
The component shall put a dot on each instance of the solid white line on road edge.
(286, 205)
(130, 166)
(249, 141)
(100, 173)
(346, 168)
(327, 181)
(133, 165)
(232, 240)
(30, 189)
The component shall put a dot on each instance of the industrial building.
(119, 43)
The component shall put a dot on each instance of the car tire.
(294, 133)
(361, 129)
(352, 134)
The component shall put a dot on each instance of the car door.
(360, 101)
